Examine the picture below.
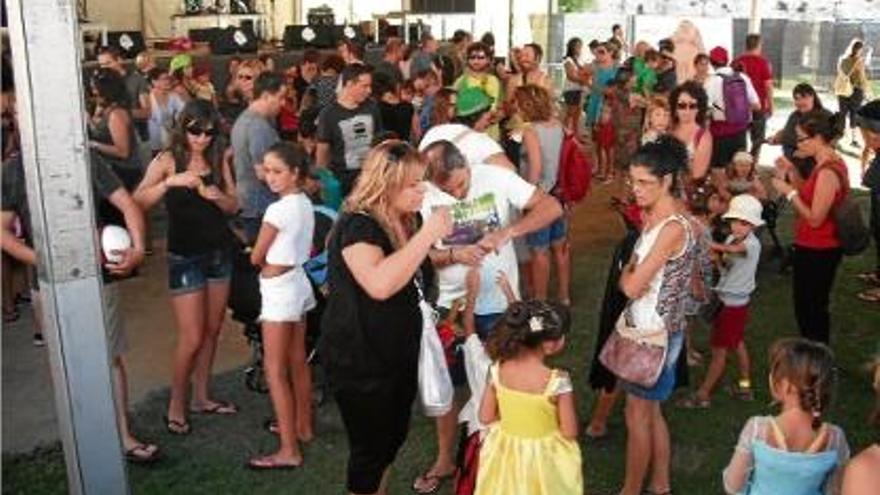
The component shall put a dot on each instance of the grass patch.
(211, 460)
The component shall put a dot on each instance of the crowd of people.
(445, 167)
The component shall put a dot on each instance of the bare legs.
(199, 316)
(539, 266)
(447, 426)
(716, 369)
(647, 445)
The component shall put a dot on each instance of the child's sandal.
(743, 392)
(693, 402)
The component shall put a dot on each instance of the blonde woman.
(372, 324)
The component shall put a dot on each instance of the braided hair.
(809, 367)
(527, 324)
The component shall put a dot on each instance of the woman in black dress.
(372, 324)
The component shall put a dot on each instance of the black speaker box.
(235, 40)
(206, 35)
(129, 43)
(298, 37)
(349, 32)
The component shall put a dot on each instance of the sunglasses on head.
(197, 130)
(682, 105)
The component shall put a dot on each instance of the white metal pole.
(754, 16)
(45, 41)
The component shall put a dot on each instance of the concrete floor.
(28, 399)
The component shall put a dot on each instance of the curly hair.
(694, 90)
(526, 325)
(534, 103)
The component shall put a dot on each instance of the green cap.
(181, 61)
(472, 100)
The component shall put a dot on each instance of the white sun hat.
(747, 208)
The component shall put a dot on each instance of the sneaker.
(39, 341)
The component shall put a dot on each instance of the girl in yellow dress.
(531, 447)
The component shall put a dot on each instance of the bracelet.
(791, 195)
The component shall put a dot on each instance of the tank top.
(550, 138)
(195, 225)
(825, 235)
(101, 133)
(663, 305)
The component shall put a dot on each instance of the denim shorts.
(548, 236)
(666, 383)
(191, 273)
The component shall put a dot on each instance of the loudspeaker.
(129, 43)
(298, 37)
(443, 6)
(206, 35)
(235, 40)
(349, 32)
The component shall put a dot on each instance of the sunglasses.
(197, 130)
(801, 139)
(686, 106)
(477, 57)
(246, 77)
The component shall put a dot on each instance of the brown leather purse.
(635, 355)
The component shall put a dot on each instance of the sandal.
(593, 436)
(217, 409)
(142, 453)
(177, 427)
(269, 463)
(693, 402)
(430, 483)
(872, 295)
(869, 277)
(743, 391)
(271, 425)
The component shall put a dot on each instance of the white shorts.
(286, 297)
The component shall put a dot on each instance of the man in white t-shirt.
(482, 197)
(473, 118)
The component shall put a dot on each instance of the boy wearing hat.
(739, 261)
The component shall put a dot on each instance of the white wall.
(118, 15)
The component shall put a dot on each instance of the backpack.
(737, 110)
(575, 172)
(852, 232)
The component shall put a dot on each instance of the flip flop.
(266, 464)
(142, 453)
(181, 428)
(218, 409)
(872, 295)
(595, 437)
(433, 482)
(869, 277)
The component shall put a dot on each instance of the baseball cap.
(719, 56)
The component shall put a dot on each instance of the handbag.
(435, 384)
(635, 355)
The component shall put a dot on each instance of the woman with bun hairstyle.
(199, 192)
(817, 251)
(657, 282)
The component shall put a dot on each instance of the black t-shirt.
(350, 133)
(361, 337)
(397, 118)
(104, 184)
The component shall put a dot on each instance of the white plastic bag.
(435, 385)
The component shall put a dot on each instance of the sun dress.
(525, 453)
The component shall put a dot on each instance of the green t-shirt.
(646, 77)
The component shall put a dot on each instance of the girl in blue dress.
(794, 452)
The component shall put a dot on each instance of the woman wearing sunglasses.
(197, 185)
(690, 105)
(478, 74)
